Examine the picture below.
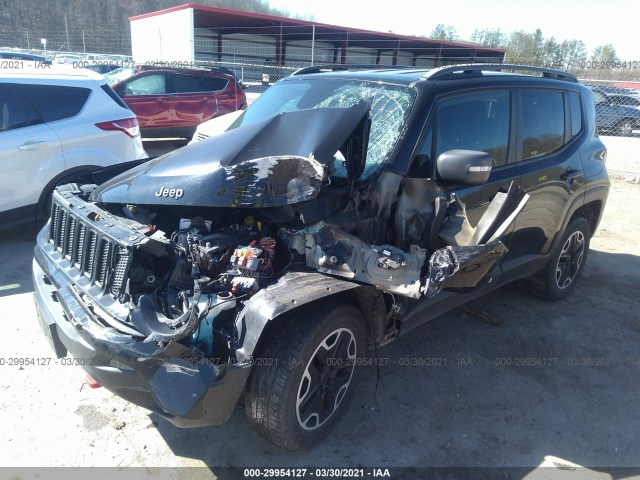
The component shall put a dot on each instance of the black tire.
(293, 384)
(45, 211)
(558, 279)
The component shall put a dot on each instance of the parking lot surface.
(513, 381)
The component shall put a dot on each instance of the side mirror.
(464, 167)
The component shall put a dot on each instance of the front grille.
(90, 252)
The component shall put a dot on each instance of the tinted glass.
(576, 113)
(478, 121)
(146, 85)
(214, 84)
(114, 96)
(188, 84)
(421, 165)
(15, 112)
(198, 84)
(543, 122)
(54, 102)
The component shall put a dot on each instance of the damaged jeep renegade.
(340, 210)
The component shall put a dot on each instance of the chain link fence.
(616, 85)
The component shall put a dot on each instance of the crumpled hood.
(273, 162)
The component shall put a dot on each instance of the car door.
(193, 100)
(147, 95)
(30, 153)
(549, 164)
(481, 121)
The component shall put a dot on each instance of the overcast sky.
(595, 22)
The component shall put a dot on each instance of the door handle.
(570, 173)
(32, 145)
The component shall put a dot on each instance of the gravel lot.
(581, 408)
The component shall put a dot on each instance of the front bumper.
(171, 380)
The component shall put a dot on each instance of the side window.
(55, 102)
(188, 84)
(183, 83)
(542, 123)
(421, 164)
(147, 85)
(14, 111)
(576, 113)
(213, 84)
(478, 121)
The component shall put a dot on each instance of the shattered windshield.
(119, 74)
(389, 110)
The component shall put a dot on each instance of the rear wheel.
(558, 279)
(302, 384)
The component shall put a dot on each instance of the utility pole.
(313, 43)
(66, 29)
(28, 43)
(84, 50)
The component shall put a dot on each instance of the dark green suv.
(342, 209)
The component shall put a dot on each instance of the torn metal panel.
(461, 267)
(333, 251)
(417, 213)
(277, 161)
(456, 229)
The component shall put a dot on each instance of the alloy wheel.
(326, 379)
(570, 259)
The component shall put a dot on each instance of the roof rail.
(477, 68)
(341, 66)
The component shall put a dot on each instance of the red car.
(172, 102)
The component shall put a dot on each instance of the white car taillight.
(127, 125)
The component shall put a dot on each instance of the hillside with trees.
(97, 26)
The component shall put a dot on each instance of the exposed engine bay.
(181, 249)
(189, 279)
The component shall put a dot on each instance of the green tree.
(489, 38)
(538, 47)
(604, 53)
(551, 52)
(522, 48)
(571, 52)
(444, 32)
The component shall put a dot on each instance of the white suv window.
(14, 111)
(54, 102)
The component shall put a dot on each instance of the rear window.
(543, 122)
(197, 84)
(54, 102)
(576, 113)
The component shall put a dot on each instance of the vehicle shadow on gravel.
(553, 379)
(16, 254)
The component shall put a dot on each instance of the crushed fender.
(469, 255)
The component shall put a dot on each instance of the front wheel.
(558, 279)
(304, 379)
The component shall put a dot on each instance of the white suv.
(57, 124)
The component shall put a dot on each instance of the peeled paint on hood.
(273, 162)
